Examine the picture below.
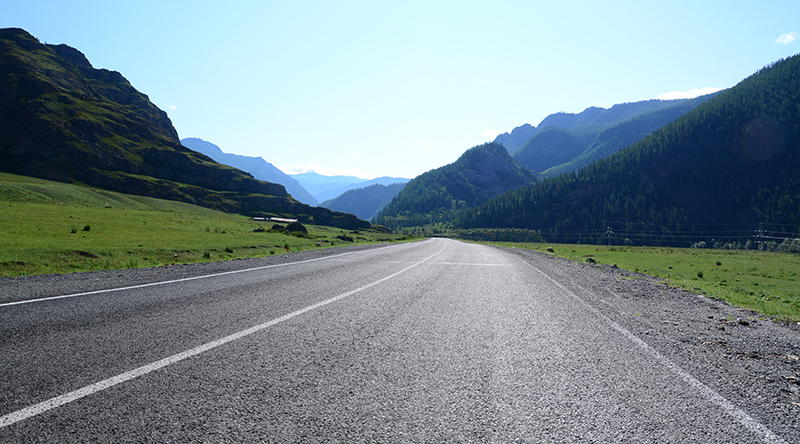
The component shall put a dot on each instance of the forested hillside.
(442, 194)
(624, 134)
(549, 147)
(724, 167)
(566, 142)
(587, 124)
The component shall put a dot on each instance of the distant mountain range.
(257, 166)
(62, 119)
(565, 142)
(365, 202)
(325, 188)
(562, 143)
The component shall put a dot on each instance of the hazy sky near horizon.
(379, 88)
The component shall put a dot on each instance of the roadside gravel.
(748, 358)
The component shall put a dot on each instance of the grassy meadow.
(765, 282)
(52, 227)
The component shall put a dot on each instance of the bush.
(789, 246)
(296, 227)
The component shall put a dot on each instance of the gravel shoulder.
(748, 358)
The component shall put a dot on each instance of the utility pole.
(760, 237)
(609, 235)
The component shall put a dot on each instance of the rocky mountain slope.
(62, 119)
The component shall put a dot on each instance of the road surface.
(434, 341)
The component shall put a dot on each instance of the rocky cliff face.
(62, 119)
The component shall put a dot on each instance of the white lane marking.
(152, 284)
(707, 392)
(83, 392)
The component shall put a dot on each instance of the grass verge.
(50, 227)
(761, 281)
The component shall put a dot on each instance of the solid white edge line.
(707, 392)
(153, 284)
(83, 392)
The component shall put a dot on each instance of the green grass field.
(761, 281)
(52, 227)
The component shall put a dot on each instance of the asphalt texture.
(433, 341)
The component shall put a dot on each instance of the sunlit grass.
(50, 227)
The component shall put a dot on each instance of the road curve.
(434, 341)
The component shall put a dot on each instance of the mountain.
(329, 187)
(551, 146)
(719, 171)
(320, 186)
(561, 138)
(442, 194)
(365, 202)
(62, 119)
(624, 134)
(595, 119)
(257, 166)
(385, 181)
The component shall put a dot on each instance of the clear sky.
(380, 88)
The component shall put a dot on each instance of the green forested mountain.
(587, 124)
(518, 137)
(365, 202)
(566, 142)
(724, 167)
(62, 119)
(442, 194)
(623, 134)
(549, 147)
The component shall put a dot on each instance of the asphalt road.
(435, 341)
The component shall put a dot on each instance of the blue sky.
(379, 88)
